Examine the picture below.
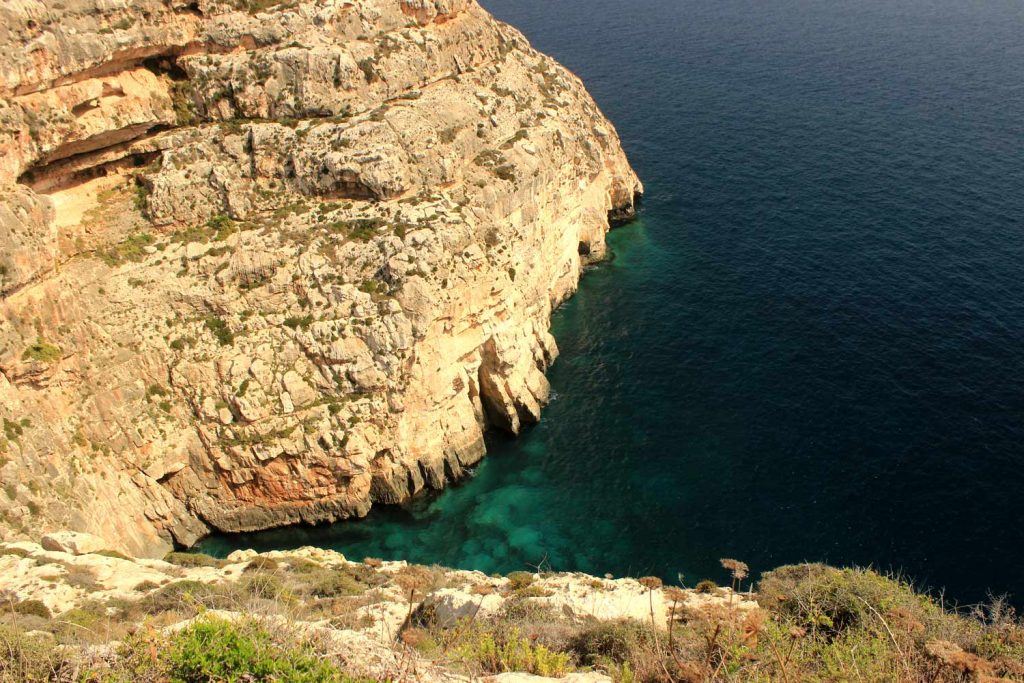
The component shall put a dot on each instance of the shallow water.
(811, 346)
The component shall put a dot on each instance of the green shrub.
(262, 564)
(620, 673)
(193, 560)
(218, 650)
(518, 609)
(30, 658)
(297, 321)
(183, 102)
(33, 607)
(615, 641)
(221, 225)
(138, 660)
(831, 601)
(325, 581)
(879, 626)
(185, 595)
(85, 620)
(519, 580)
(332, 584)
(220, 330)
(140, 197)
(361, 229)
(867, 651)
(492, 653)
(421, 640)
(264, 586)
(12, 430)
(42, 351)
(132, 249)
(706, 586)
(369, 287)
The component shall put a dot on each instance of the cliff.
(265, 263)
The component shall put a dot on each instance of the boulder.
(73, 543)
(452, 604)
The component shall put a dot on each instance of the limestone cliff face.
(268, 263)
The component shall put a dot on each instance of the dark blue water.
(811, 347)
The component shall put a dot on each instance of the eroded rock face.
(263, 265)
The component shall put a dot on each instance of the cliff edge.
(265, 263)
(76, 611)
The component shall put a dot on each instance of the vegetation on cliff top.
(279, 622)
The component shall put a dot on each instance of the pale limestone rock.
(452, 604)
(242, 555)
(356, 219)
(521, 677)
(73, 543)
(29, 238)
(63, 581)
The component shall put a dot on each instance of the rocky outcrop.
(73, 543)
(454, 594)
(365, 615)
(265, 264)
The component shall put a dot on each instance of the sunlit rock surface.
(269, 264)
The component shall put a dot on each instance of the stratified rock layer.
(269, 264)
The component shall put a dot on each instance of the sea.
(810, 346)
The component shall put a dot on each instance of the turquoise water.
(811, 346)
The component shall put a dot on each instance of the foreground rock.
(64, 581)
(362, 610)
(266, 615)
(264, 264)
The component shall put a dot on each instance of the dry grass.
(813, 623)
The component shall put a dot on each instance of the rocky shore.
(266, 263)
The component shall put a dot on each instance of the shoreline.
(619, 217)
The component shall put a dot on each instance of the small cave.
(625, 212)
(165, 65)
(83, 107)
(350, 190)
(75, 170)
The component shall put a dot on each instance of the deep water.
(811, 346)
